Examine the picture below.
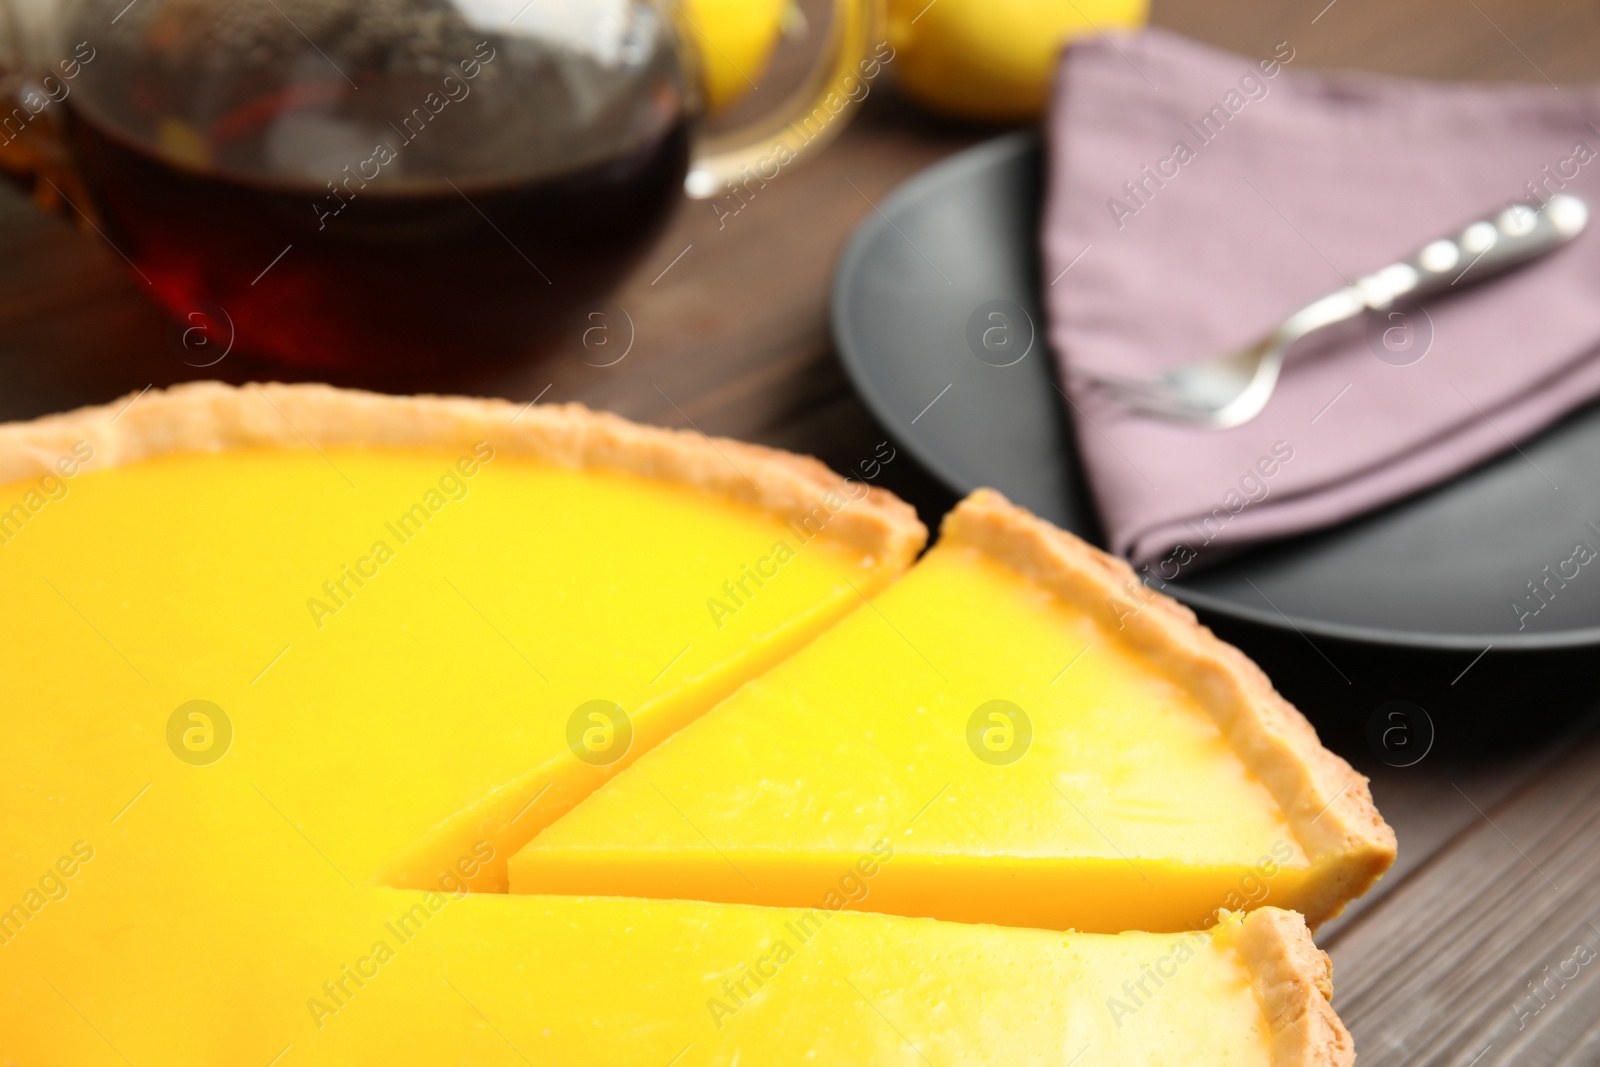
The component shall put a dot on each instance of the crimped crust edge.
(214, 417)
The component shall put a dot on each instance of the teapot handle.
(814, 114)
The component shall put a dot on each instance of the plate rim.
(985, 154)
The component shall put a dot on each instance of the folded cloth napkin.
(1195, 198)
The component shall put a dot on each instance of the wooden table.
(1499, 872)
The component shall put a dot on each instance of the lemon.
(992, 59)
(735, 39)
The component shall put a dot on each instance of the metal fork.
(1230, 390)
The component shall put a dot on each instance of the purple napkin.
(1195, 198)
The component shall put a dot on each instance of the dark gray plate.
(1440, 570)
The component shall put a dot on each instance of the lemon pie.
(1045, 742)
(293, 673)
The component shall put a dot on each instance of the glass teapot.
(386, 184)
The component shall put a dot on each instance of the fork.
(1231, 389)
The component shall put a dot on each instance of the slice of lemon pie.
(384, 977)
(559, 980)
(1043, 741)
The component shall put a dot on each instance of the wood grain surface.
(1499, 873)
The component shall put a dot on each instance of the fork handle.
(1479, 251)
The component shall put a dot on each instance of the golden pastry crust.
(214, 417)
(1294, 981)
(1326, 803)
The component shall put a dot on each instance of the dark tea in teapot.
(385, 184)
